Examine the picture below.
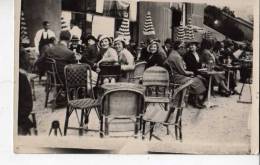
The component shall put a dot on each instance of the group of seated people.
(183, 60)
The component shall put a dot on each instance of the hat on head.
(91, 37)
(120, 38)
(151, 43)
(102, 37)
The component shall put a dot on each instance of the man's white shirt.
(39, 34)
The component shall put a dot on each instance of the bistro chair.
(53, 82)
(156, 81)
(136, 75)
(34, 123)
(122, 104)
(80, 96)
(110, 72)
(166, 118)
(246, 65)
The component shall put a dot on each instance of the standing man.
(42, 37)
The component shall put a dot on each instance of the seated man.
(62, 54)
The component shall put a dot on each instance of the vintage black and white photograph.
(135, 77)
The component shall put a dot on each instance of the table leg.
(209, 104)
(228, 79)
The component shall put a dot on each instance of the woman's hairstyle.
(177, 44)
(206, 44)
(123, 43)
(102, 37)
(153, 43)
(217, 46)
(65, 35)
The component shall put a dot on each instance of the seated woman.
(207, 58)
(192, 58)
(108, 54)
(125, 58)
(175, 64)
(108, 57)
(91, 54)
(153, 54)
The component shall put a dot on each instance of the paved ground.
(221, 130)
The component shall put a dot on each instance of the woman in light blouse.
(108, 54)
(125, 58)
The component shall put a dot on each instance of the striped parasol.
(208, 35)
(148, 25)
(64, 24)
(124, 29)
(24, 37)
(180, 33)
(189, 34)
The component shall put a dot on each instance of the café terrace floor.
(220, 130)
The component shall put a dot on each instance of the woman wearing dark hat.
(91, 54)
(179, 75)
(154, 55)
(192, 58)
(167, 47)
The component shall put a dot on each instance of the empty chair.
(122, 104)
(80, 95)
(156, 80)
(53, 82)
(171, 117)
(136, 75)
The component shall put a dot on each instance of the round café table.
(209, 104)
(230, 68)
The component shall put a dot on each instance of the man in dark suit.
(62, 54)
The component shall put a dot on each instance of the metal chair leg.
(81, 123)
(240, 94)
(66, 121)
(47, 95)
(151, 130)
(106, 126)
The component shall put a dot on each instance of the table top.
(118, 85)
(229, 66)
(213, 72)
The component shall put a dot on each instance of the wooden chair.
(136, 75)
(53, 82)
(156, 81)
(166, 118)
(80, 95)
(122, 104)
